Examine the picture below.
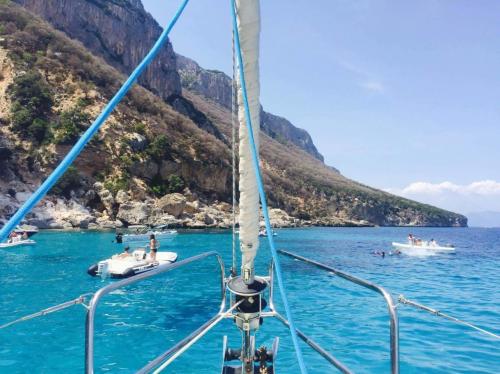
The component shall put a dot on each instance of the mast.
(248, 21)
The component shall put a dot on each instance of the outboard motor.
(92, 270)
(102, 269)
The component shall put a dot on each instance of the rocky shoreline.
(99, 209)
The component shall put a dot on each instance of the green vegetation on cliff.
(147, 148)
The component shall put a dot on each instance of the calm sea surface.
(136, 324)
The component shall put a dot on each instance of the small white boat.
(17, 243)
(120, 266)
(28, 229)
(425, 246)
(264, 233)
(141, 234)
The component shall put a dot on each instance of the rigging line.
(87, 135)
(233, 150)
(262, 193)
(436, 312)
(56, 308)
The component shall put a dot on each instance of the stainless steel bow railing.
(164, 359)
(89, 326)
(391, 306)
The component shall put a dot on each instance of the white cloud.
(367, 80)
(486, 187)
(373, 86)
(464, 198)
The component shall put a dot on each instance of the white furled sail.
(248, 16)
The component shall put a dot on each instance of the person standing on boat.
(12, 237)
(153, 246)
(411, 239)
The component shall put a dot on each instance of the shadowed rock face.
(216, 86)
(121, 32)
(284, 131)
(186, 107)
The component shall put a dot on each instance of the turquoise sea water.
(138, 323)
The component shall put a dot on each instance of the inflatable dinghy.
(408, 248)
(124, 266)
(17, 243)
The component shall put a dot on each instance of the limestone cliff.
(121, 32)
(150, 163)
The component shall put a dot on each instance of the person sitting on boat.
(153, 247)
(24, 236)
(433, 243)
(12, 237)
(411, 239)
(125, 253)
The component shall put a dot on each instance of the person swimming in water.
(379, 253)
(119, 238)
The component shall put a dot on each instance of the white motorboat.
(425, 246)
(17, 242)
(28, 229)
(126, 265)
(141, 234)
(264, 233)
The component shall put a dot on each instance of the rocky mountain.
(119, 31)
(154, 161)
(216, 86)
(122, 32)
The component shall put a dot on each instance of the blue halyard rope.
(82, 142)
(262, 193)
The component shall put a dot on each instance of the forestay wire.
(87, 135)
(262, 193)
(233, 151)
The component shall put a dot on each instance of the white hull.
(409, 248)
(134, 264)
(18, 243)
(159, 235)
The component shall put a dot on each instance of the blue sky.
(400, 95)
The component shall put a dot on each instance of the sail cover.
(248, 18)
